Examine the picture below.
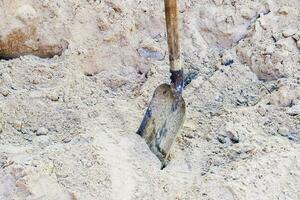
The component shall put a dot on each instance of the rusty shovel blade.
(162, 122)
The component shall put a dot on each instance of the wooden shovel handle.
(173, 35)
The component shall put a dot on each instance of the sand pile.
(76, 76)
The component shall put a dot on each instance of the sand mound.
(76, 77)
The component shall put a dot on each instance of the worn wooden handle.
(173, 35)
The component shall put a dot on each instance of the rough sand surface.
(76, 77)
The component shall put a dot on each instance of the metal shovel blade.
(162, 121)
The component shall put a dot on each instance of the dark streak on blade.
(146, 118)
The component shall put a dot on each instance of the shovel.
(166, 113)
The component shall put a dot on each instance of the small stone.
(102, 25)
(25, 130)
(18, 125)
(296, 37)
(294, 137)
(246, 13)
(67, 140)
(43, 140)
(4, 92)
(144, 9)
(150, 53)
(166, 189)
(28, 137)
(42, 131)
(53, 97)
(219, 98)
(26, 13)
(284, 10)
(93, 114)
(222, 139)
(233, 136)
(283, 131)
(34, 80)
(228, 62)
(229, 134)
(269, 49)
(89, 164)
(289, 33)
(293, 111)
